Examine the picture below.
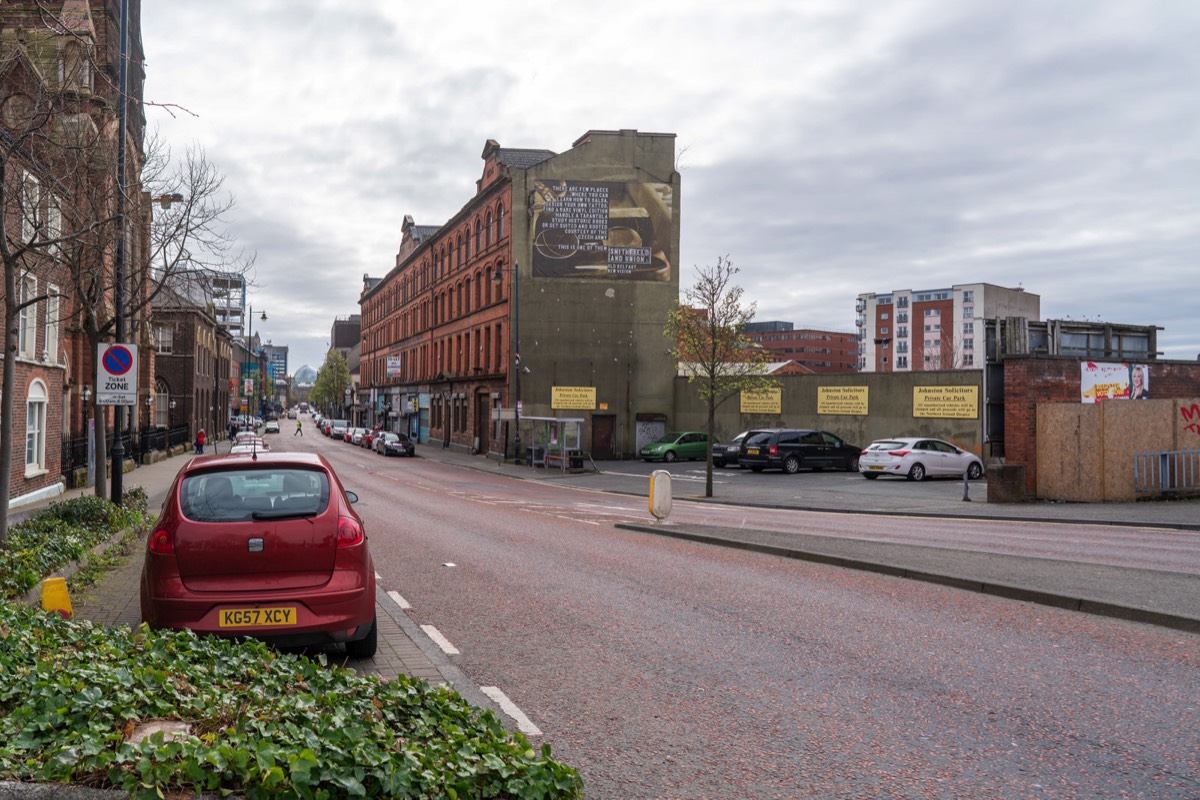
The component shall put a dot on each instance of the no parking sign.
(116, 375)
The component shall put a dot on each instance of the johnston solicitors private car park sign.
(116, 375)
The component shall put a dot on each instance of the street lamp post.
(253, 357)
(515, 302)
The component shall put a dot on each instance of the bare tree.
(181, 246)
(706, 335)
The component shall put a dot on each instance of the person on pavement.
(200, 442)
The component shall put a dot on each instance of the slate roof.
(422, 232)
(521, 158)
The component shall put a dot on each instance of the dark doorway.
(602, 435)
(483, 422)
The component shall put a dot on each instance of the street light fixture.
(253, 357)
(515, 301)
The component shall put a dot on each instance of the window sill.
(35, 473)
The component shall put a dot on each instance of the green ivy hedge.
(263, 724)
(62, 534)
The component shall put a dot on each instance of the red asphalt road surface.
(664, 668)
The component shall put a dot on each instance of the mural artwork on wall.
(590, 229)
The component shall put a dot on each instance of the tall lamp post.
(515, 302)
(253, 357)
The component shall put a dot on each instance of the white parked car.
(272, 426)
(917, 458)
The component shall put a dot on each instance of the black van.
(791, 449)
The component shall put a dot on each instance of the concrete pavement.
(1162, 598)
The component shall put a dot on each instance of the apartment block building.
(819, 351)
(932, 329)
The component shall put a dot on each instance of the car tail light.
(773, 450)
(899, 453)
(349, 532)
(162, 542)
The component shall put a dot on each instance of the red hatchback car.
(266, 546)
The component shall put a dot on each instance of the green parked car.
(689, 445)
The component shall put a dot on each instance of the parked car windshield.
(230, 495)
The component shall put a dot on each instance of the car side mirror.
(352, 496)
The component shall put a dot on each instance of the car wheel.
(975, 471)
(366, 646)
(917, 473)
(718, 463)
(852, 464)
(791, 465)
(669, 456)
(870, 475)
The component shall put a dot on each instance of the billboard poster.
(393, 366)
(595, 229)
(1101, 381)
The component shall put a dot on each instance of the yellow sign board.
(842, 400)
(573, 397)
(946, 402)
(762, 401)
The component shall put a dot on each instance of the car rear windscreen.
(242, 494)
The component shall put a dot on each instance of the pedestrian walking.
(299, 429)
(200, 442)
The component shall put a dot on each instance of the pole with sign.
(116, 375)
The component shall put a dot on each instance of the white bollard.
(660, 494)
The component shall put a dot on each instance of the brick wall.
(1030, 381)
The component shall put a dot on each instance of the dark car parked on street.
(726, 453)
(394, 444)
(793, 449)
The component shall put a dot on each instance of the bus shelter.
(556, 442)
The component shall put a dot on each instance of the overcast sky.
(829, 148)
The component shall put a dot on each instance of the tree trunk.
(6, 403)
(101, 424)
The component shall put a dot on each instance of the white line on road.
(509, 707)
(442, 641)
(400, 601)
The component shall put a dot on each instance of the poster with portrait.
(1101, 381)
(1139, 382)
(596, 229)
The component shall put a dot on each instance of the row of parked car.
(793, 449)
(385, 443)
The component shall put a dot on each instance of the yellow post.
(55, 597)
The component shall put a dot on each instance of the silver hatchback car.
(917, 458)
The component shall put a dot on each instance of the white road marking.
(441, 641)
(449, 564)
(400, 601)
(378, 577)
(509, 707)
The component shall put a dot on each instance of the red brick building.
(819, 350)
(58, 81)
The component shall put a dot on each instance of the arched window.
(35, 428)
(460, 250)
(500, 222)
(478, 235)
(162, 405)
(489, 229)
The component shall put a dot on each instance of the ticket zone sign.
(116, 375)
